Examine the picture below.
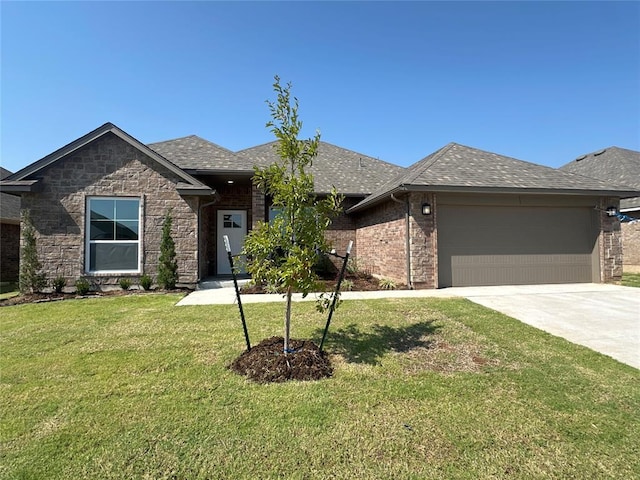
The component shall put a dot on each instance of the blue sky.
(542, 81)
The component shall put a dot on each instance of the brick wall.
(238, 196)
(9, 252)
(631, 244)
(380, 238)
(610, 242)
(109, 167)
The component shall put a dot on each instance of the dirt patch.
(266, 362)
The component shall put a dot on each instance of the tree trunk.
(287, 321)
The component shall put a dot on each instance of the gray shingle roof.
(614, 165)
(9, 204)
(350, 172)
(459, 168)
(25, 178)
(195, 153)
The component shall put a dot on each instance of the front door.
(232, 223)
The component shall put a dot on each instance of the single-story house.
(9, 234)
(621, 167)
(461, 216)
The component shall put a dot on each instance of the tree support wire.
(227, 247)
(336, 294)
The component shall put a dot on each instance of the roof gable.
(27, 175)
(457, 167)
(351, 173)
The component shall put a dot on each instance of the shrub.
(125, 283)
(31, 280)
(387, 284)
(59, 283)
(82, 286)
(146, 281)
(167, 266)
(347, 285)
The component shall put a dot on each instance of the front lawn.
(133, 387)
(631, 279)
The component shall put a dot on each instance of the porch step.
(209, 283)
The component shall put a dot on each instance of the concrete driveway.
(603, 317)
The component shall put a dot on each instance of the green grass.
(133, 387)
(631, 279)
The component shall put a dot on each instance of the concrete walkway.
(603, 317)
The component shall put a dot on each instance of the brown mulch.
(266, 362)
(360, 283)
(55, 297)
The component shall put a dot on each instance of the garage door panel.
(495, 245)
(478, 270)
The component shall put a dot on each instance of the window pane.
(127, 230)
(102, 209)
(127, 209)
(113, 256)
(102, 230)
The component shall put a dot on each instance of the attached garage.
(516, 241)
(467, 217)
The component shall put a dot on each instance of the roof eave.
(478, 189)
(195, 191)
(16, 187)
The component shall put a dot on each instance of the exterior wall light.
(612, 211)
(426, 209)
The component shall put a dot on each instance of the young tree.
(167, 265)
(282, 254)
(31, 280)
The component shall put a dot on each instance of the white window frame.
(89, 242)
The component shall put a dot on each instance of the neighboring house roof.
(196, 154)
(351, 173)
(9, 204)
(25, 179)
(457, 168)
(614, 165)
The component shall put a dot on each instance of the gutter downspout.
(406, 238)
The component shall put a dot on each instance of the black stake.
(227, 246)
(336, 293)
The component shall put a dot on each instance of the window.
(113, 240)
(233, 220)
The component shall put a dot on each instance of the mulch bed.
(266, 362)
(54, 297)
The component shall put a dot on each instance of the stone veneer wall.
(110, 166)
(9, 252)
(380, 237)
(610, 242)
(631, 244)
(422, 231)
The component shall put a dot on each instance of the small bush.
(387, 284)
(82, 286)
(145, 282)
(59, 283)
(347, 285)
(167, 264)
(125, 283)
(352, 266)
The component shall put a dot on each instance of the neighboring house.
(461, 216)
(9, 234)
(621, 167)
